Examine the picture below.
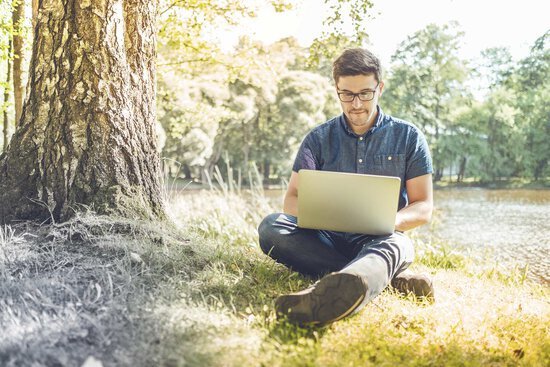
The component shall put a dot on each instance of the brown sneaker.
(332, 298)
(418, 284)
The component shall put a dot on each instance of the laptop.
(347, 202)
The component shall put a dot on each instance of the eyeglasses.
(363, 96)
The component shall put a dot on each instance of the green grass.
(199, 292)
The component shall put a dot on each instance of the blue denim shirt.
(392, 147)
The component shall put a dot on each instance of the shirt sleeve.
(305, 158)
(419, 160)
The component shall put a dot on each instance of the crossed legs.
(373, 261)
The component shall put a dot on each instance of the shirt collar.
(377, 123)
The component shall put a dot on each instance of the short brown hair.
(356, 61)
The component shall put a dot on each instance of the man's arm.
(419, 210)
(290, 205)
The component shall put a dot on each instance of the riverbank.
(504, 184)
(183, 185)
(199, 292)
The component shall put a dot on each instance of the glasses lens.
(366, 96)
(346, 97)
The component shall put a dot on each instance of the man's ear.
(381, 86)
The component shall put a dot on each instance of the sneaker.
(332, 298)
(418, 284)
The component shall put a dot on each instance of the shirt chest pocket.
(390, 165)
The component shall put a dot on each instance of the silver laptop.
(347, 202)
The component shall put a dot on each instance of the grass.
(199, 292)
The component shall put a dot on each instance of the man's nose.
(356, 103)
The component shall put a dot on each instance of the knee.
(267, 232)
(406, 247)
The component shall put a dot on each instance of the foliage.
(532, 84)
(252, 119)
(186, 29)
(258, 118)
(426, 84)
(346, 26)
(499, 137)
(248, 112)
(251, 105)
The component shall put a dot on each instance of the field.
(196, 290)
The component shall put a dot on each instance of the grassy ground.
(200, 292)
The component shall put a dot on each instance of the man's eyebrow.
(361, 91)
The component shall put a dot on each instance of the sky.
(486, 23)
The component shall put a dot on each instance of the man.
(361, 140)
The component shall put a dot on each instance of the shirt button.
(360, 161)
(360, 138)
(389, 158)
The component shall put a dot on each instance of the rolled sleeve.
(419, 160)
(306, 158)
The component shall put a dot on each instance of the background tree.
(426, 83)
(531, 81)
(88, 127)
(18, 40)
(6, 96)
(304, 100)
(346, 26)
(6, 30)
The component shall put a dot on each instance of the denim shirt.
(392, 147)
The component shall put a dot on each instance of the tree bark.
(34, 13)
(87, 132)
(17, 20)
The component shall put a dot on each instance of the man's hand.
(419, 210)
(290, 205)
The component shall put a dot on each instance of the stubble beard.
(359, 117)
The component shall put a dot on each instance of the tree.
(6, 96)
(272, 108)
(490, 137)
(190, 112)
(87, 133)
(531, 81)
(346, 26)
(427, 82)
(495, 68)
(303, 100)
(17, 21)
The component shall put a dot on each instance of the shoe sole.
(335, 296)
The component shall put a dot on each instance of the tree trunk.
(462, 169)
(17, 21)
(7, 97)
(87, 132)
(267, 169)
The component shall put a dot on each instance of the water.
(514, 225)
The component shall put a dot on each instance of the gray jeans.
(315, 252)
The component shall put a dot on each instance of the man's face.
(359, 112)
